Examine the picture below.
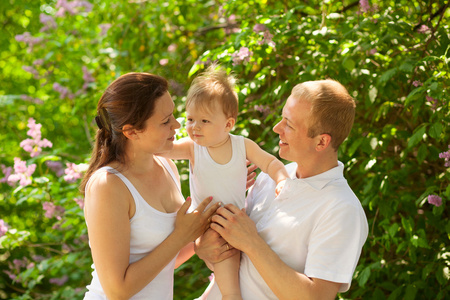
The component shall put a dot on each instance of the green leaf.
(435, 130)
(417, 136)
(387, 76)
(364, 276)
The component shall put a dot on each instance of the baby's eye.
(205, 121)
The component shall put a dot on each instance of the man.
(305, 243)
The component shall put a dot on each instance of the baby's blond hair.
(214, 87)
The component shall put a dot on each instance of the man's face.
(295, 145)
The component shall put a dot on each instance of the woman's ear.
(230, 124)
(129, 132)
(324, 141)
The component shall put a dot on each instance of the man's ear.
(230, 124)
(129, 132)
(324, 141)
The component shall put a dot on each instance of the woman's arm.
(184, 254)
(107, 215)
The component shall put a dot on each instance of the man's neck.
(316, 166)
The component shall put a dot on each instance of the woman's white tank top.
(149, 227)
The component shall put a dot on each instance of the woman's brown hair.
(130, 99)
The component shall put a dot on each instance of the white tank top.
(225, 183)
(149, 227)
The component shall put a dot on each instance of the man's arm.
(286, 283)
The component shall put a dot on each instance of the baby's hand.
(279, 187)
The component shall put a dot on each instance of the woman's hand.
(189, 226)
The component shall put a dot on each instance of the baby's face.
(207, 127)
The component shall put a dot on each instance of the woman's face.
(158, 134)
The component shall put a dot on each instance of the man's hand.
(212, 248)
(250, 174)
(235, 227)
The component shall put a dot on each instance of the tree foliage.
(57, 57)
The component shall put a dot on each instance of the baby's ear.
(230, 124)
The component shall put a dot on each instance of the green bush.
(393, 56)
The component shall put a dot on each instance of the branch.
(440, 12)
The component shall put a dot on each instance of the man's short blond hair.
(332, 109)
(214, 87)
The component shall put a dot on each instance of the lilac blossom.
(55, 166)
(373, 51)
(259, 28)
(36, 143)
(72, 7)
(47, 21)
(423, 29)
(435, 200)
(22, 172)
(172, 48)
(59, 281)
(417, 83)
(63, 91)
(27, 38)
(80, 202)
(163, 61)
(87, 77)
(52, 210)
(104, 28)
(7, 172)
(73, 173)
(243, 55)
(446, 156)
(365, 6)
(3, 228)
(31, 99)
(32, 71)
(432, 101)
(267, 39)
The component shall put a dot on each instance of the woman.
(138, 225)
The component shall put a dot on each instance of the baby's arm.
(182, 149)
(267, 163)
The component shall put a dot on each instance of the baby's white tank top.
(225, 183)
(149, 227)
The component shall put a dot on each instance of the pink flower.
(32, 71)
(47, 21)
(55, 166)
(432, 101)
(172, 48)
(446, 156)
(267, 39)
(7, 172)
(3, 228)
(35, 144)
(52, 210)
(80, 202)
(72, 7)
(435, 200)
(259, 28)
(417, 83)
(104, 28)
(243, 55)
(365, 6)
(373, 51)
(163, 61)
(423, 29)
(72, 173)
(27, 38)
(59, 281)
(22, 172)
(63, 91)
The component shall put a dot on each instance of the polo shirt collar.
(319, 181)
